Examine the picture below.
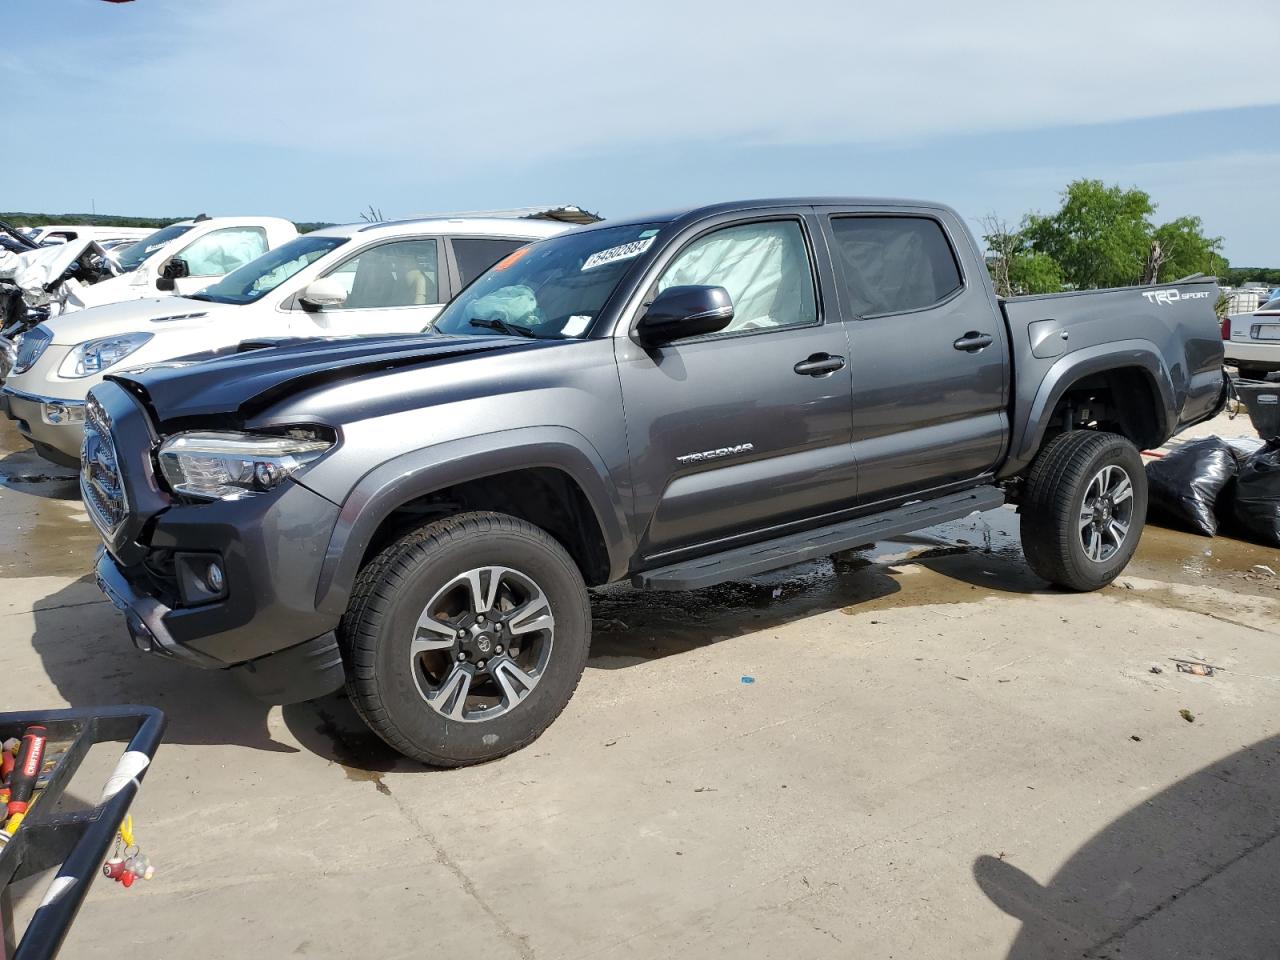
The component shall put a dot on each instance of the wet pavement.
(915, 749)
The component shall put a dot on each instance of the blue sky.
(315, 109)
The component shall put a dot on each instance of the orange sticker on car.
(510, 258)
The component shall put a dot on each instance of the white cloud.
(462, 83)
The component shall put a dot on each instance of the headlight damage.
(224, 466)
(94, 356)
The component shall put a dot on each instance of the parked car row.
(675, 400)
(339, 281)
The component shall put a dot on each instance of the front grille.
(100, 482)
(33, 345)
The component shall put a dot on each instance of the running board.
(822, 542)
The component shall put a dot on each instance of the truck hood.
(151, 316)
(245, 382)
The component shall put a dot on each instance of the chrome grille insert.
(101, 486)
(33, 345)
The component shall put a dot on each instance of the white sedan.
(338, 281)
(1252, 340)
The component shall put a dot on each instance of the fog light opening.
(214, 578)
(57, 414)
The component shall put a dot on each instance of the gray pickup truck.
(675, 400)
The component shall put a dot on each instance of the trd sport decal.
(1167, 297)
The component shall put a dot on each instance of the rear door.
(748, 428)
(927, 350)
(472, 256)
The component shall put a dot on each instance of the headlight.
(224, 466)
(94, 356)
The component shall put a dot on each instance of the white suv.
(339, 281)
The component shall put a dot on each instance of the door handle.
(819, 365)
(973, 341)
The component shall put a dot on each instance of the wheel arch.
(1132, 370)
(488, 472)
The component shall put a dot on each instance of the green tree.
(1033, 272)
(1100, 236)
(1015, 268)
(1185, 250)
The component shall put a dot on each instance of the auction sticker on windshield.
(624, 251)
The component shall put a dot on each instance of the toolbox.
(74, 842)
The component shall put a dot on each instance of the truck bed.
(1169, 331)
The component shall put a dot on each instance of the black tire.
(394, 590)
(1053, 503)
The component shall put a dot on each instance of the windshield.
(259, 277)
(131, 257)
(549, 290)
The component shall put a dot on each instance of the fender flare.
(1030, 429)
(390, 485)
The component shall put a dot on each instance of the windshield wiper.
(510, 329)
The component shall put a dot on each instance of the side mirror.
(175, 268)
(325, 292)
(679, 312)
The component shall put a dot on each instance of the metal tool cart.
(74, 842)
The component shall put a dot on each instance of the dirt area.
(914, 750)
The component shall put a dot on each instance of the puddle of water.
(962, 561)
(362, 755)
(43, 527)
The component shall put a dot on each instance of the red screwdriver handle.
(22, 782)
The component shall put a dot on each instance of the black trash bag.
(1185, 485)
(1257, 494)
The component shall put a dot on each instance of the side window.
(764, 266)
(894, 264)
(399, 274)
(221, 251)
(475, 255)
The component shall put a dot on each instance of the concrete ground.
(914, 751)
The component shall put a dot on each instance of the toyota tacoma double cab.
(675, 400)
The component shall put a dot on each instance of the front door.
(747, 428)
(391, 287)
(215, 254)
(927, 352)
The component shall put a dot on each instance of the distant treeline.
(102, 220)
(1234, 276)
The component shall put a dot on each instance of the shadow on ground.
(86, 653)
(633, 626)
(1189, 873)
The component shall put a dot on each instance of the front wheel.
(1083, 509)
(466, 638)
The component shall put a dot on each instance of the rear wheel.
(466, 638)
(1083, 509)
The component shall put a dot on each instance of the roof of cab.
(517, 228)
(694, 214)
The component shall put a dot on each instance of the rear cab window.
(893, 264)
